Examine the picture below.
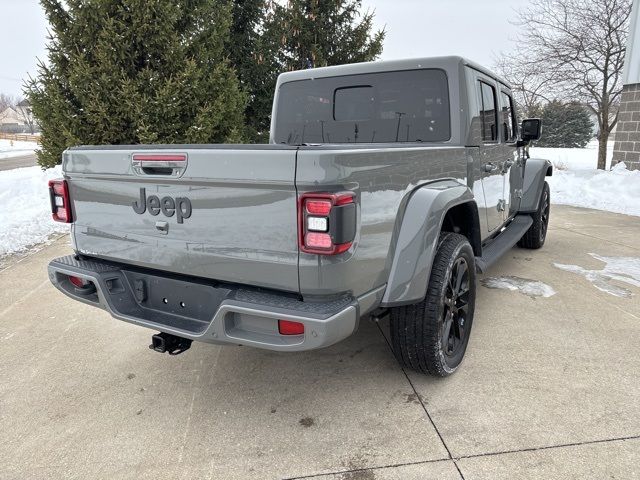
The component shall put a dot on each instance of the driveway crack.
(424, 407)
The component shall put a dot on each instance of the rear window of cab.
(387, 107)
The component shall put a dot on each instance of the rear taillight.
(327, 222)
(60, 204)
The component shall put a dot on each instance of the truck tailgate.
(221, 212)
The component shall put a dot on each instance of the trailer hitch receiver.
(171, 344)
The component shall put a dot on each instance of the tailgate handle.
(159, 164)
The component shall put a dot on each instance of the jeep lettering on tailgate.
(181, 206)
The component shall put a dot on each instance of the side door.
(492, 152)
(513, 166)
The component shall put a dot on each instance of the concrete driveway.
(550, 387)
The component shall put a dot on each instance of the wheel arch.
(535, 171)
(429, 210)
(463, 218)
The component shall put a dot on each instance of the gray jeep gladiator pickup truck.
(386, 186)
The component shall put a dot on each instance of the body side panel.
(383, 180)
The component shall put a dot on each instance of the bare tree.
(577, 48)
(25, 114)
(529, 88)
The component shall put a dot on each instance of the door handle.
(490, 167)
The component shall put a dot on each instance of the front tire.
(536, 235)
(432, 336)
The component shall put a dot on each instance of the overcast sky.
(477, 29)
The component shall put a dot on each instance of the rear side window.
(488, 113)
(388, 107)
(508, 118)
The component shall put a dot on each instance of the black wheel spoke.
(446, 332)
(463, 298)
(461, 270)
(460, 330)
(450, 284)
(456, 307)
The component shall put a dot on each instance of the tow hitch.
(173, 345)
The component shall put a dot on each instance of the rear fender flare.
(535, 171)
(417, 240)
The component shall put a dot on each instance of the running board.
(503, 242)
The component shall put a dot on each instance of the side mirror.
(531, 129)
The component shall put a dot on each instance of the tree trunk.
(602, 149)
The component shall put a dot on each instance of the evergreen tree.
(135, 71)
(255, 63)
(295, 35)
(565, 125)
(318, 33)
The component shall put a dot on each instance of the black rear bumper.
(204, 310)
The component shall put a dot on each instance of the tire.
(536, 235)
(417, 330)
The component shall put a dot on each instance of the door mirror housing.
(531, 129)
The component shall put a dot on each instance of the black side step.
(503, 242)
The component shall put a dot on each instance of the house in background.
(18, 119)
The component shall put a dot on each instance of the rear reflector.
(60, 201)
(287, 327)
(77, 281)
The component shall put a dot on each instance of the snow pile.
(25, 216)
(616, 190)
(530, 288)
(577, 182)
(10, 148)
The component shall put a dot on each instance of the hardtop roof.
(445, 62)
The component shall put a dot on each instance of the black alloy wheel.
(456, 309)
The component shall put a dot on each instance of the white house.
(17, 119)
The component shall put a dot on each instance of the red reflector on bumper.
(286, 327)
(77, 281)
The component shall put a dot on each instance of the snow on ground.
(573, 158)
(622, 269)
(616, 190)
(25, 216)
(530, 288)
(11, 148)
(577, 182)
